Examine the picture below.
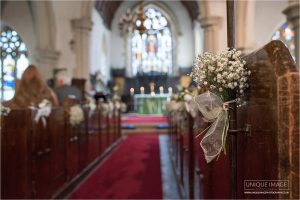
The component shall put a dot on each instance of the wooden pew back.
(38, 160)
(271, 151)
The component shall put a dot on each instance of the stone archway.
(38, 31)
(45, 55)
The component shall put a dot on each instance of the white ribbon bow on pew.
(43, 110)
(213, 110)
(4, 111)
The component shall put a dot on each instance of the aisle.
(133, 171)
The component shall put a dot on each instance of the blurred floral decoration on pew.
(112, 106)
(4, 111)
(43, 111)
(91, 104)
(218, 74)
(181, 104)
(76, 115)
(117, 100)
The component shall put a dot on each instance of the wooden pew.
(48, 151)
(181, 146)
(94, 137)
(271, 152)
(16, 154)
(40, 161)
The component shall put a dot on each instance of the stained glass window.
(14, 60)
(152, 51)
(286, 35)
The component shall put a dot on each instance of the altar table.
(150, 103)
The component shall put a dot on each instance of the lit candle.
(170, 90)
(161, 89)
(132, 91)
(142, 90)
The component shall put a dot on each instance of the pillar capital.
(211, 21)
(49, 55)
(82, 23)
(46, 60)
(210, 27)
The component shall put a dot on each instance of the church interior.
(167, 99)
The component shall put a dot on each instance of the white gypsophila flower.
(76, 115)
(225, 70)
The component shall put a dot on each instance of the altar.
(150, 103)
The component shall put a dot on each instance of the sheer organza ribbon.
(214, 110)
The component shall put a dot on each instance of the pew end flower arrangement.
(220, 75)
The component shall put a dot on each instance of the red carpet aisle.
(132, 171)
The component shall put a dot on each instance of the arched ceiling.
(107, 9)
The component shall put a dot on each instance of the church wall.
(184, 43)
(100, 47)
(218, 9)
(25, 27)
(268, 17)
(261, 20)
(198, 38)
(64, 12)
(117, 58)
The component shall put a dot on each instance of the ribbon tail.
(37, 116)
(225, 131)
(44, 121)
(212, 142)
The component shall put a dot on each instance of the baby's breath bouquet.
(222, 72)
(76, 115)
(219, 74)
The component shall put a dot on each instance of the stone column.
(292, 14)
(198, 37)
(82, 28)
(46, 60)
(210, 25)
(127, 53)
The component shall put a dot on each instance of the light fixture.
(134, 21)
(126, 22)
(139, 25)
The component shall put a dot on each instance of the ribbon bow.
(43, 111)
(213, 110)
(4, 110)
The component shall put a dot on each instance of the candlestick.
(131, 91)
(142, 90)
(161, 89)
(170, 89)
